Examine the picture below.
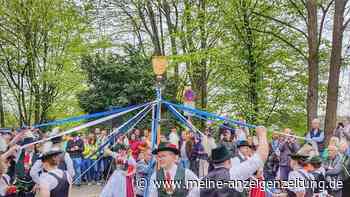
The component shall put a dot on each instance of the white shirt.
(296, 175)
(246, 169)
(3, 184)
(38, 167)
(3, 144)
(189, 175)
(50, 182)
(236, 161)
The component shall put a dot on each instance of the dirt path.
(86, 191)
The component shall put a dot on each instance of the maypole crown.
(159, 64)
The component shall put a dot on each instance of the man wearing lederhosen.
(65, 162)
(54, 182)
(224, 170)
(169, 172)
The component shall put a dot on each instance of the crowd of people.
(226, 153)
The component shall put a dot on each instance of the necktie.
(26, 161)
(168, 184)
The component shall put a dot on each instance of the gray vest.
(219, 174)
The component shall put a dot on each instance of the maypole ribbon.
(154, 127)
(207, 114)
(154, 136)
(83, 117)
(111, 137)
(202, 114)
(183, 119)
(154, 133)
(86, 125)
(221, 125)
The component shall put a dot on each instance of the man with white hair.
(316, 134)
(333, 171)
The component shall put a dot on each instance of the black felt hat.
(315, 160)
(50, 154)
(55, 131)
(220, 154)
(299, 157)
(166, 147)
(5, 131)
(27, 140)
(242, 143)
(119, 147)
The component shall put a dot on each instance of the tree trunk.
(37, 107)
(253, 71)
(155, 34)
(312, 94)
(203, 62)
(2, 114)
(172, 34)
(334, 70)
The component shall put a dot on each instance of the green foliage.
(233, 54)
(41, 44)
(116, 80)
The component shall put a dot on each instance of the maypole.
(159, 64)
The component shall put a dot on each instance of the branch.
(134, 23)
(346, 24)
(283, 23)
(176, 14)
(324, 10)
(282, 39)
(303, 2)
(298, 10)
(142, 17)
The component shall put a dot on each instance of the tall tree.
(300, 13)
(252, 72)
(2, 114)
(39, 41)
(134, 84)
(184, 30)
(335, 64)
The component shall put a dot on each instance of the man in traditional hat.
(224, 170)
(318, 172)
(242, 153)
(170, 173)
(54, 182)
(299, 176)
(229, 142)
(65, 162)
